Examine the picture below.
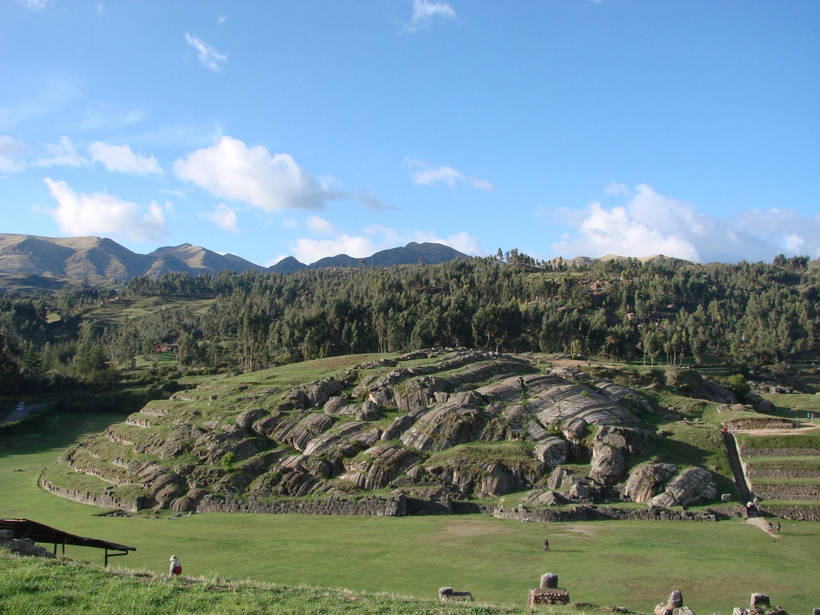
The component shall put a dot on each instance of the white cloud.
(229, 169)
(290, 223)
(221, 19)
(617, 189)
(374, 238)
(34, 5)
(9, 149)
(425, 11)
(121, 159)
(209, 57)
(311, 250)
(422, 173)
(224, 217)
(62, 154)
(651, 223)
(103, 214)
(320, 225)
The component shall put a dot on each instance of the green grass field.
(634, 564)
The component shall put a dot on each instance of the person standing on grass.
(546, 544)
(174, 568)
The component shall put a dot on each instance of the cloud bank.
(425, 12)
(272, 182)
(224, 217)
(103, 214)
(423, 174)
(651, 223)
(62, 154)
(372, 239)
(121, 159)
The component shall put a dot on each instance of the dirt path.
(763, 525)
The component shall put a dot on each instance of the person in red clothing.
(175, 567)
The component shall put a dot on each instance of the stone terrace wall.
(85, 497)
(593, 513)
(793, 513)
(372, 506)
(778, 452)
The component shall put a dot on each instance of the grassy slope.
(45, 587)
(630, 563)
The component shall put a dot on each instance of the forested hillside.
(660, 311)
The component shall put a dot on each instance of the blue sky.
(313, 128)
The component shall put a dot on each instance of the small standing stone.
(549, 580)
(675, 599)
(759, 601)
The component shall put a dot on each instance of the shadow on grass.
(53, 430)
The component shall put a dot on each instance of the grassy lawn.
(796, 402)
(807, 441)
(635, 564)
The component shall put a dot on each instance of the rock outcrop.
(691, 486)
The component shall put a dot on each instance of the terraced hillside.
(783, 470)
(433, 426)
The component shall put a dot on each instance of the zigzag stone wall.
(85, 497)
(593, 513)
(373, 506)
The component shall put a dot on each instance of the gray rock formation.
(552, 451)
(607, 466)
(691, 486)
(646, 481)
(379, 465)
(453, 422)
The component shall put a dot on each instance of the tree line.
(660, 311)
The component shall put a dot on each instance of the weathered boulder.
(313, 394)
(368, 412)
(630, 440)
(246, 419)
(268, 425)
(399, 425)
(308, 427)
(607, 466)
(455, 421)
(337, 405)
(552, 451)
(345, 440)
(691, 486)
(378, 465)
(646, 481)
(574, 429)
(420, 392)
(560, 404)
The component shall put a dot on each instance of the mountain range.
(30, 261)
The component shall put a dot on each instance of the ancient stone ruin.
(760, 604)
(548, 592)
(673, 605)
